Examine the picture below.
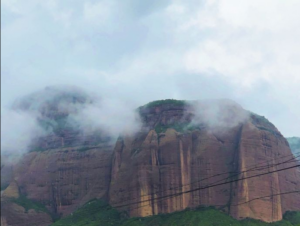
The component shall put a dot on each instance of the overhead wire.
(226, 173)
(206, 187)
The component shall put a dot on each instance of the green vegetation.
(263, 123)
(97, 212)
(179, 127)
(83, 149)
(4, 186)
(58, 124)
(292, 217)
(93, 213)
(165, 102)
(259, 118)
(30, 204)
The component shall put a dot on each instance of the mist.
(217, 116)
(39, 113)
(18, 128)
(136, 53)
(111, 115)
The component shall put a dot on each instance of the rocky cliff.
(161, 169)
(65, 166)
(183, 150)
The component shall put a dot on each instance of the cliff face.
(65, 179)
(61, 179)
(156, 164)
(180, 148)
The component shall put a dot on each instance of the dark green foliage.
(165, 102)
(97, 212)
(30, 204)
(93, 213)
(58, 124)
(293, 217)
(260, 119)
(83, 149)
(201, 217)
(179, 127)
(4, 186)
(46, 124)
(263, 123)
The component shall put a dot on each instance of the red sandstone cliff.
(61, 179)
(153, 165)
(178, 147)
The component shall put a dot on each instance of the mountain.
(186, 154)
(294, 143)
(184, 145)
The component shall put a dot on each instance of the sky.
(135, 51)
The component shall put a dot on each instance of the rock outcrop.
(154, 171)
(61, 180)
(176, 161)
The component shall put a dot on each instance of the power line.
(267, 196)
(209, 186)
(283, 193)
(215, 185)
(251, 169)
(220, 174)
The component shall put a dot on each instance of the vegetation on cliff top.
(164, 102)
(97, 212)
(263, 123)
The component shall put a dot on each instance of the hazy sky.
(138, 51)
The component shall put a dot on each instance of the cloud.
(133, 51)
(55, 110)
(97, 12)
(18, 128)
(110, 115)
(218, 115)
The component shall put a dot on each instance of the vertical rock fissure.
(235, 164)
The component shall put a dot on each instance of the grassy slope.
(97, 213)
